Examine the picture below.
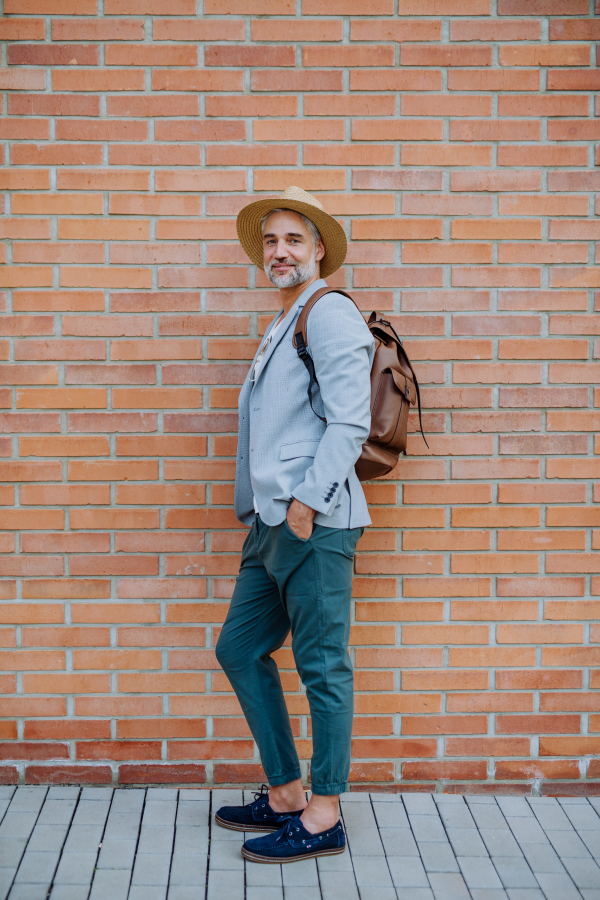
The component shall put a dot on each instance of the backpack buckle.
(301, 346)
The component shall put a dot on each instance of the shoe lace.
(286, 830)
(264, 792)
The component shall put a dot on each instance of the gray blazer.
(284, 449)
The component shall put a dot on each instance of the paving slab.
(226, 884)
(542, 858)
(449, 887)
(370, 872)
(91, 812)
(525, 894)
(488, 815)
(488, 894)
(337, 885)
(454, 815)
(37, 867)
(268, 876)
(582, 818)
(438, 856)
(466, 842)
(515, 806)
(479, 873)
(153, 892)
(419, 804)
(11, 851)
(416, 894)
(398, 842)
(70, 892)
(188, 869)
(117, 854)
(83, 838)
(29, 891)
(151, 869)
(551, 818)
(264, 893)
(191, 839)
(96, 793)
(128, 801)
(365, 842)
(514, 872)
(192, 813)
(527, 829)
(557, 886)
(390, 815)
(156, 839)
(110, 883)
(408, 872)
(301, 874)
(427, 828)
(568, 844)
(76, 868)
(303, 893)
(375, 893)
(584, 872)
(159, 812)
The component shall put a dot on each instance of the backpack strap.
(300, 339)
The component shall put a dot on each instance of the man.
(297, 489)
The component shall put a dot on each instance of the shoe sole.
(234, 827)
(256, 857)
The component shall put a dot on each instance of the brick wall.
(456, 141)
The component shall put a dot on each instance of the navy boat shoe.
(293, 842)
(255, 816)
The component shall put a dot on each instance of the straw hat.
(294, 198)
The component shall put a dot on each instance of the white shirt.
(259, 362)
(261, 353)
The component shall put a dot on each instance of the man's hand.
(300, 519)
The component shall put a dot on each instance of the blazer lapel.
(285, 325)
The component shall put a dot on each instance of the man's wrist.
(302, 510)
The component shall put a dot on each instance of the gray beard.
(298, 276)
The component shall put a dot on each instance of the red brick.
(574, 29)
(495, 181)
(542, 7)
(358, 55)
(512, 30)
(22, 30)
(149, 7)
(535, 768)
(573, 80)
(162, 774)
(533, 300)
(23, 80)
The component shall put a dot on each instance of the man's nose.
(281, 250)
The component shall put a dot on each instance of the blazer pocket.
(298, 448)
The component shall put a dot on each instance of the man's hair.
(314, 231)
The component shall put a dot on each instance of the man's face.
(290, 254)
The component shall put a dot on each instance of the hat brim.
(332, 233)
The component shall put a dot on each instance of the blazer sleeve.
(341, 347)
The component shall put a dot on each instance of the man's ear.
(320, 250)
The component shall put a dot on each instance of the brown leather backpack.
(394, 388)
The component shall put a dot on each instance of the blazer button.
(335, 484)
(327, 499)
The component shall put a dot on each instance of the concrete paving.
(71, 843)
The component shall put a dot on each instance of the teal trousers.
(286, 583)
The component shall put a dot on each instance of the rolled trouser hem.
(329, 790)
(277, 780)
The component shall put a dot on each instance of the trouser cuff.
(329, 790)
(276, 780)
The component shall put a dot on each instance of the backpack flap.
(405, 385)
